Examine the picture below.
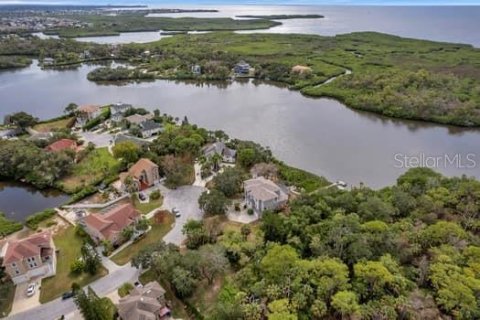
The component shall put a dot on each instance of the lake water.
(18, 201)
(318, 135)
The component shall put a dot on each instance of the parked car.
(176, 212)
(31, 289)
(138, 284)
(142, 196)
(67, 295)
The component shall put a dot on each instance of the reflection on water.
(318, 135)
(18, 200)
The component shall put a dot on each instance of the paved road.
(185, 199)
(56, 308)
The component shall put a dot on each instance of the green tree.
(126, 150)
(346, 304)
(183, 282)
(229, 181)
(23, 119)
(91, 258)
(213, 202)
(92, 307)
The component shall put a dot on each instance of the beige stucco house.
(30, 258)
(147, 303)
(262, 194)
(144, 174)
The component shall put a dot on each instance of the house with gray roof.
(262, 194)
(150, 128)
(118, 110)
(228, 155)
(147, 303)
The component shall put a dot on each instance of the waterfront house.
(9, 133)
(242, 68)
(146, 303)
(138, 119)
(262, 194)
(87, 113)
(118, 110)
(62, 145)
(149, 128)
(30, 257)
(143, 174)
(109, 225)
(228, 155)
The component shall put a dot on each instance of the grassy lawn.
(178, 308)
(145, 208)
(7, 293)
(53, 125)
(159, 230)
(98, 165)
(68, 245)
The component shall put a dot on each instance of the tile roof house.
(147, 303)
(87, 113)
(262, 194)
(228, 155)
(109, 226)
(144, 173)
(30, 257)
(61, 145)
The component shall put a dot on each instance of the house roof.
(219, 148)
(62, 144)
(89, 108)
(143, 303)
(138, 118)
(143, 164)
(113, 221)
(264, 189)
(150, 125)
(17, 250)
(120, 107)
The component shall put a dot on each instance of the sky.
(171, 3)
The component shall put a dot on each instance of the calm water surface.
(319, 135)
(18, 201)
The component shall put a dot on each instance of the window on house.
(17, 272)
(14, 264)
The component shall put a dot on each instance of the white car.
(31, 289)
(176, 212)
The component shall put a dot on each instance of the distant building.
(30, 258)
(109, 226)
(118, 110)
(61, 145)
(48, 61)
(242, 68)
(147, 303)
(9, 133)
(262, 194)
(144, 174)
(228, 155)
(196, 70)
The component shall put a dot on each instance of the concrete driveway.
(21, 302)
(100, 140)
(184, 199)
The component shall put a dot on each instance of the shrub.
(125, 289)
(33, 221)
(155, 195)
(250, 211)
(7, 226)
(77, 266)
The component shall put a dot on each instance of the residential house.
(109, 225)
(87, 113)
(144, 174)
(228, 155)
(242, 68)
(262, 194)
(138, 119)
(149, 128)
(9, 133)
(29, 258)
(61, 145)
(118, 110)
(147, 303)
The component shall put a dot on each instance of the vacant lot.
(68, 245)
(54, 125)
(98, 165)
(161, 225)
